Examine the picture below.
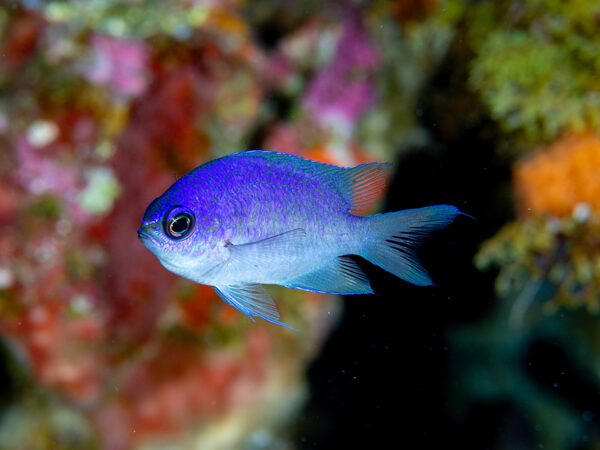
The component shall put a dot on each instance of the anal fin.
(340, 276)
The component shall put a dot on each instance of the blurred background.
(492, 106)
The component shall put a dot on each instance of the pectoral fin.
(340, 276)
(263, 251)
(252, 300)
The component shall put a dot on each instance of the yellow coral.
(558, 178)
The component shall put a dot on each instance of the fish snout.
(148, 231)
(142, 235)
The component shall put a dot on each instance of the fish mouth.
(143, 235)
(148, 236)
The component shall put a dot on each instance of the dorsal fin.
(360, 186)
(364, 184)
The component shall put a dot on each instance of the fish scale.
(258, 217)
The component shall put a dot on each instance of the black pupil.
(180, 224)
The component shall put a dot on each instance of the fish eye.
(178, 225)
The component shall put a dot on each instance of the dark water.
(385, 375)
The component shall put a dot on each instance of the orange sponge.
(556, 179)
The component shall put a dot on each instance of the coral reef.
(108, 100)
(535, 63)
(557, 179)
(491, 105)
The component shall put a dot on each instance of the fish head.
(180, 234)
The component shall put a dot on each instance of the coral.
(548, 291)
(555, 261)
(118, 63)
(548, 284)
(557, 179)
(409, 56)
(107, 102)
(104, 103)
(342, 91)
(414, 10)
(535, 64)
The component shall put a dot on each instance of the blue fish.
(259, 217)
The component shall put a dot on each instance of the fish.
(261, 217)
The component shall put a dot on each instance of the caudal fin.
(395, 237)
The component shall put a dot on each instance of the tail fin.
(395, 237)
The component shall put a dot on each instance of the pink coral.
(40, 173)
(130, 346)
(120, 64)
(343, 90)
